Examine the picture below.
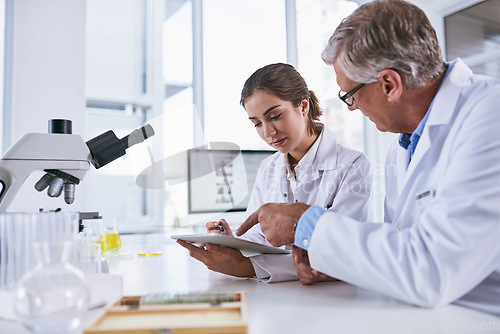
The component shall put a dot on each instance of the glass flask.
(54, 296)
(96, 233)
(113, 240)
(89, 259)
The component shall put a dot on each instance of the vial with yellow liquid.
(112, 237)
(103, 242)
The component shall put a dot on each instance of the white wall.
(48, 64)
(2, 44)
(48, 80)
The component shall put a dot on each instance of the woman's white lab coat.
(330, 175)
(442, 243)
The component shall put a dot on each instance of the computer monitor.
(222, 180)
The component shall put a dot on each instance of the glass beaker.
(54, 296)
(19, 231)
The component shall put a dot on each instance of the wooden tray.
(128, 317)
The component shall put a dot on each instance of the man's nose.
(354, 106)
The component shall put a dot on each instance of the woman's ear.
(392, 84)
(304, 107)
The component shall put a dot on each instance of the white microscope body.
(64, 157)
(37, 152)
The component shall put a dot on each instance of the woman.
(310, 166)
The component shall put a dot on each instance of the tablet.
(231, 242)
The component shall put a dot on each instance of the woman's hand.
(220, 226)
(221, 259)
(218, 258)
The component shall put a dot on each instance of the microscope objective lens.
(69, 192)
(56, 187)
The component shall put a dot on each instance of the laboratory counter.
(287, 307)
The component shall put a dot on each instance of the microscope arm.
(39, 152)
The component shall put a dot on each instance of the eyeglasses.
(347, 97)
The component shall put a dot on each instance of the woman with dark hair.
(310, 166)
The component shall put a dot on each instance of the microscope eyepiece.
(60, 126)
(137, 136)
(107, 147)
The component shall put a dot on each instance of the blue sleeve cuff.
(306, 225)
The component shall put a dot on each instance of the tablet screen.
(231, 242)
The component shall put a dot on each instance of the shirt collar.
(307, 160)
(305, 164)
(409, 141)
(310, 156)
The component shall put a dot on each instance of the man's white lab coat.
(330, 175)
(442, 240)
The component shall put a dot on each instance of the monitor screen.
(222, 180)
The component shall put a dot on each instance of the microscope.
(63, 156)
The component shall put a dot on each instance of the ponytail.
(314, 113)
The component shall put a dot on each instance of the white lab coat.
(331, 176)
(442, 240)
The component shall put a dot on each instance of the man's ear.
(304, 107)
(392, 84)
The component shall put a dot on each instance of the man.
(440, 242)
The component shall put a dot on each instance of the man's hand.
(307, 275)
(276, 221)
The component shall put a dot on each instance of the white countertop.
(288, 307)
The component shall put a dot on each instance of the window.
(122, 74)
(127, 52)
(473, 34)
(181, 65)
(179, 115)
(231, 40)
(316, 21)
(239, 37)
